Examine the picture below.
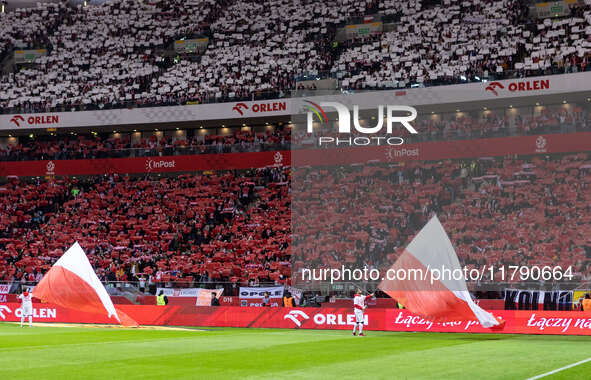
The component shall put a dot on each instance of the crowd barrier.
(335, 318)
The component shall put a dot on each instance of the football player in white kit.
(26, 307)
(359, 305)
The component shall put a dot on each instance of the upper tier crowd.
(114, 55)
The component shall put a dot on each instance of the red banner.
(187, 163)
(441, 150)
(517, 322)
(535, 144)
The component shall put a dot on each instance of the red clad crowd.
(227, 226)
(502, 211)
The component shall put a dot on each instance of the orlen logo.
(35, 120)
(152, 164)
(42, 313)
(493, 86)
(337, 319)
(294, 316)
(519, 86)
(344, 123)
(261, 107)
(238, 108)
(321, 319)
(4, 309)
(17, 119)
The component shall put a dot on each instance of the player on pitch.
(359, 305)
(26, 307)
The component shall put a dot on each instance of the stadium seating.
(459, 41)
(257, 50)
(497, 211)
(216, 227)
(103, 54)
(29, 27)
(82, 146)
(230, 227)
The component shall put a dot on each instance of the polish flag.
(428, 283)
(72, 283)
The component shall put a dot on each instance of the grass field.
(68, 353)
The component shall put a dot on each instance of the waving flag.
(430, 282)
(72, 283)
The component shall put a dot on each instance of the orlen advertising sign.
(35, 120)
(260, 107)
(498, 88)
(322, 319)
(40, 314)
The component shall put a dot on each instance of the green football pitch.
(68, 353)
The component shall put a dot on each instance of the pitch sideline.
(105, 326)
(559, 369)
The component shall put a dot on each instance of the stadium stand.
(30, 27)
(82, 146)
(511, 211)
(118, 40)
(254, 53)
(236, 227)
(461, 41)
(226, 226)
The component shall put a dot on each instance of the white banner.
(296, 294)
(204, 298)
(251, 293)
(469, 92)
(173, 292)
(4, 288)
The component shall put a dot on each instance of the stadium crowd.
(86, 146)
(30, 27)
(253, 52)
(501, 211)
(234, 226)
(225, 226)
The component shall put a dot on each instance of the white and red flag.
(72, 283)
(428, 282)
